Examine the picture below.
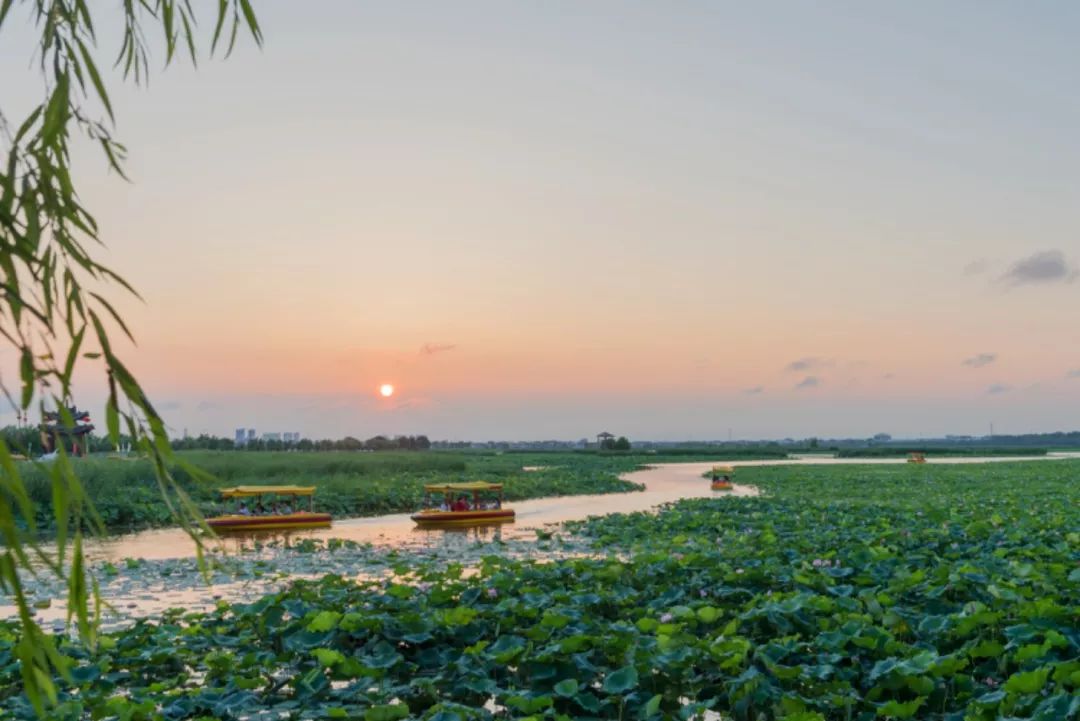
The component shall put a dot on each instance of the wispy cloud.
(205, 406)
(980, 360)
(888, 376)
(1043, 268)
(808, 382)
(169, 406)
(976, 267)
(754, 391)
(433, 348)
(1074, 373)
(809, 363)
(997, 388)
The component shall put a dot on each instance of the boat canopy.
(470, 486)
(245, 491)
(723, 469)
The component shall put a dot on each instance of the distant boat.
(245, 519)
(721, 478)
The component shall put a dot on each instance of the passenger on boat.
(285, 509)
(244, 510)
(460, 504)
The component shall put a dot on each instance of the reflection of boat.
(916, 458)
(721, 478)
(249, 521)
(456, 511)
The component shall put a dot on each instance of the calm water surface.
(663, 483)
(167, 577)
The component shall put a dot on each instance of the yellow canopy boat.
(456, 510)
(262, 518)
(721, 478)
(916, 458)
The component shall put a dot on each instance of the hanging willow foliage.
(55, 307)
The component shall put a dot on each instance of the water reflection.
(663, 483)
(236, 542)
(255, 563)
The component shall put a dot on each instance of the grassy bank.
(845, 593)
(932, 451)
(349, 484)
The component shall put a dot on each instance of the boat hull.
(290, 521)
(443, 519)
(721, 486)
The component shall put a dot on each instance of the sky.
(536, 220)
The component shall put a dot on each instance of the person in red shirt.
(460, 504)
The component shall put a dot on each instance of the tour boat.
(916, 458)
(486, 506)
(721, 478)
(261, 519)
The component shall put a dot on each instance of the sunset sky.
(549, 219)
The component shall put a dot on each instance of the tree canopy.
(58, 306)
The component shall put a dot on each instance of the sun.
(386, 390)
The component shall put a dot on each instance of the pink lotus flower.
(666, 618)
(492, 593)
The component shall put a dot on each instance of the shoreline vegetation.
(843, 592)
(931, 451)
(363, 484)
(126, 495)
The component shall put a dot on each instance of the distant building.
(241, 437)
(251, 434)
(271, 436)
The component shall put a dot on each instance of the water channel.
(144, 573)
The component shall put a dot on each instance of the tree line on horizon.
(27, 441)
(348, 443)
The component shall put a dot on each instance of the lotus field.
(844, 592)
